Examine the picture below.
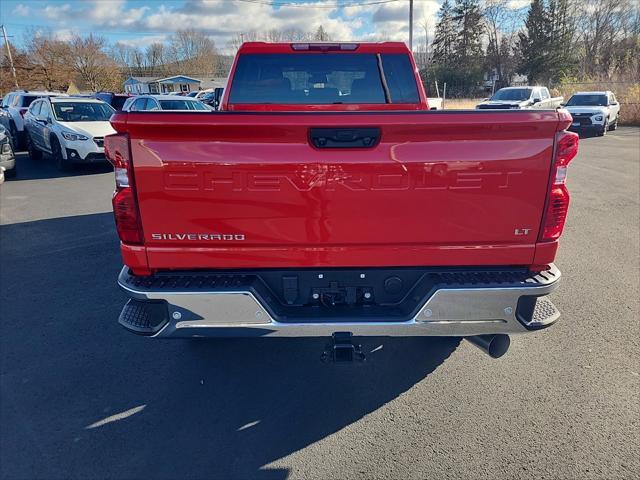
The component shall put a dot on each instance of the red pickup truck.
(325, 197)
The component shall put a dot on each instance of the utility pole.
(411, 25)
(426, 44)
(13, 69)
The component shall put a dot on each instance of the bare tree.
(48, 58)
(125, 57)
(90, 62)
(155, 57)
(500, 24)
(238, 39)
(24, 69)
(192, 51)
(424, 48)
(138, 59)
(121, 53)
(295, 35)
(606, 26)
(273, 35)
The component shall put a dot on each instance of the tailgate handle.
(366, 137)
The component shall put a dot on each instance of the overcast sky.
(141, 22)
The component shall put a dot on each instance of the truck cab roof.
(319, 47)
(325, 76)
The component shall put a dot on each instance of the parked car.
(520, 98)
(203, 92)
(213, 98)
(147, 103)
(198, 94)
(116, 100)
(435, 103)
(337, 204)
(71, 130)
(593, 112)
(14, 106)
(7, 157)
(209, 99)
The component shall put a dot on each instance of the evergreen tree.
(561, 52)
(457, 47)
(508, 62)
(321, 34)
(534, 43)
(468, 20)
(445, 36)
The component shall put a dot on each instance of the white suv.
(71, 130)
(13, 108)
(595, 112)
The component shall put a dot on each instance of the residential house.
(176, 83)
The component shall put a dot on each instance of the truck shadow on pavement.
(82, 398)
(28, 169)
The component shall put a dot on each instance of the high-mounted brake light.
(558, 201)
(125, 204)
(325, 47)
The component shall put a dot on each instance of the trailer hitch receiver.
(341, 349)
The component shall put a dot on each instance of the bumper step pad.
(144, 318)
(537, 312)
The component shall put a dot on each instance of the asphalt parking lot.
(82, 398)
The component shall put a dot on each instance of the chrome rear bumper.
(449, 310)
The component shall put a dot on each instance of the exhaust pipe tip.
(493, 345)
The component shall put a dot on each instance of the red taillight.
(556, 213)
(125, 211)
(558, 201)
(125, 205)
(567, 147)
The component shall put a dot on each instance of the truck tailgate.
(234, 190)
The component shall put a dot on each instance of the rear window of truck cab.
(323, 79)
